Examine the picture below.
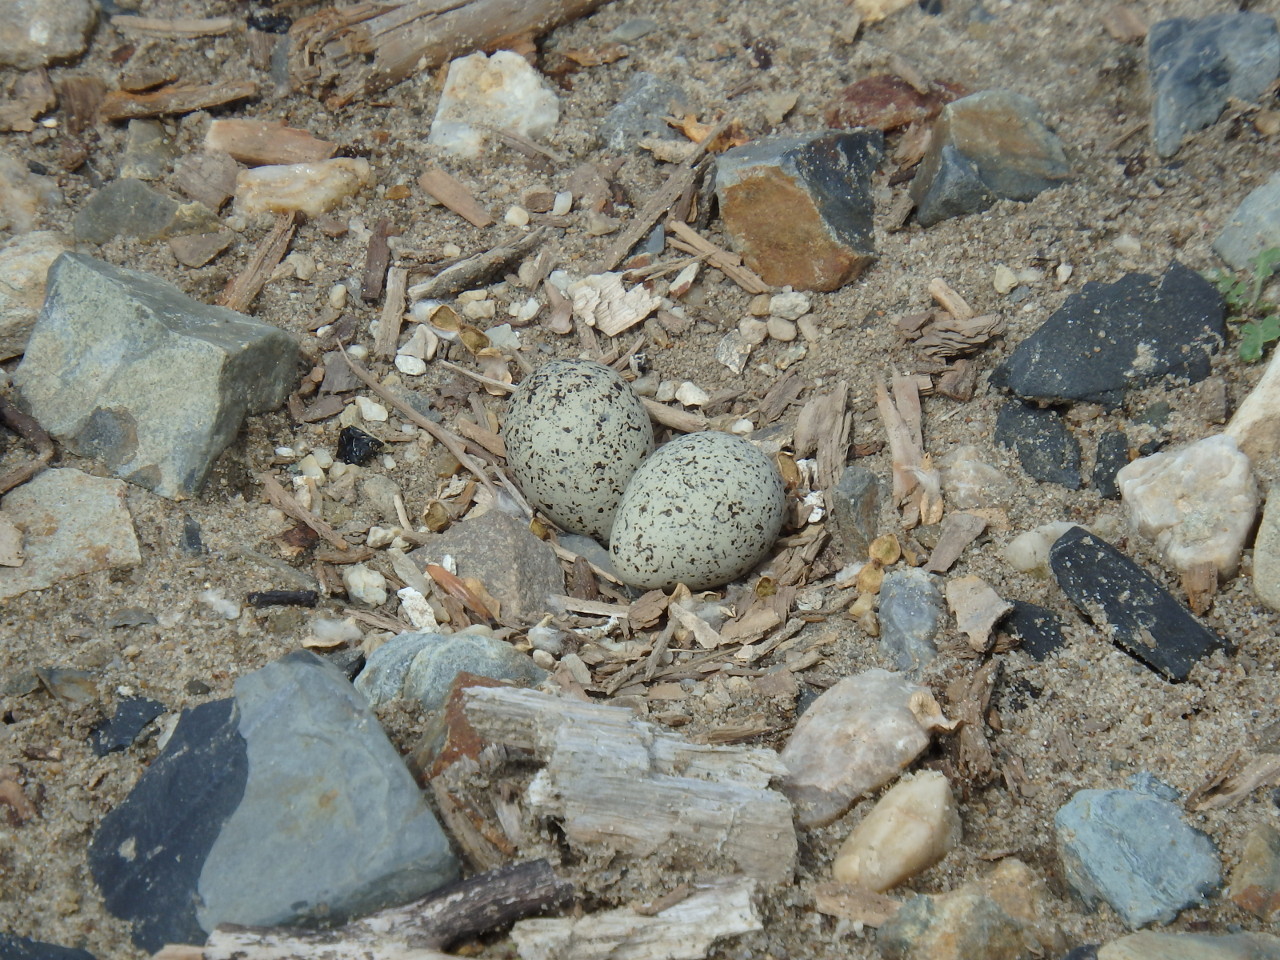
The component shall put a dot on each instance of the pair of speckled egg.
(702, 510)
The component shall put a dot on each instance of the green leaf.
(1251, 342)
(1269, 327)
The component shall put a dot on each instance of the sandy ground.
(1088, 717)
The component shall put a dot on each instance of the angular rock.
(1003, 916)
(853, 739)
(1266, 553)
(1255, 881)
(1131, 605)
(1196, 503)
(284, 805)
(24, 948)
(502, 91)
(130, 208)
(24, 265)
(799, 209)
(886, 102)
(1134, 851)
(1150, 945)
(988, 146)
(37, 33)
(1046, 448)
(24, 196)
(1038, 629)
(641, 112)
(309, 188)
(1110, 337)
(125, 367)
(149, 152)
(72, 524)
(1254, 226)
(1113, 454)
(911, 611)
(1197, 65)
(423, 666)
(518, 569)
(132, 716)
(854, 505)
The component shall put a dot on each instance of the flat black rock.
(1111, 337)
(24, 948)
(1113, 455)
(149, 852)
(1038, 629)
(1119, 596)
(1046, 449)
(131, 718)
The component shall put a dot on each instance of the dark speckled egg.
(575, 433)
(701, 511)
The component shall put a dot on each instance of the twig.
(454, 194)
(189, 27)
(392, 313)
(31, 431)
(474, 271)
(282, 500)
(730, 264)
(241, 290)
(376, 258)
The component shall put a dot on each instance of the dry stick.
(476, 270)
(31, 431)
(730, 264)
(392, 313)
(453, 193)
(156, 27)
(239, 293)
(175, 99)
(376, 259)
(282, 500)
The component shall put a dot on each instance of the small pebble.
(517, 216)
(781, 330)
(1003, 279)
(692, 395)
(759, 306)
(754, 332)
(809, 329)
(371, 410)
(563, 204)
(1127, 245)
(480, 310)
(791, 305)
(410, 366)
(365, 584)
(1063, 273)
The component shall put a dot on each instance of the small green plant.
(1259, 322)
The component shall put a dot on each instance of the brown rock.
(887, 102)
(799, 209)
(1255, 882)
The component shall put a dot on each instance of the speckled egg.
(575, 433)
(703, 510)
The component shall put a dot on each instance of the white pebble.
(781, 330)
(451, 250)
(563, 203)
(417, 609)
(358, 351)
(323, 458)
(480, 310)
(666, 391)
(1029, 551)
(809, 329)
(371, 410)
(753, 331)
(285, 453)
(410, 366)
(218, 604)
(692, 395)
(379, 537)
(338, 296)
(364, 584)
(790, 305)
(330, 632)
(1003, 279)
(517, 216)
(1064, 272)
(524, 312)
(309, 467)
(1127, 245)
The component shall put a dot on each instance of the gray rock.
(422, 666)
(855, 513)
(24, 266)
(911, 611)
(641, 113)
(72, 524)
(1047, 449)
(1254, 226)
(1196, 65)
(130, 208)
(148, 151)
(331, 824)
(1113, 455)
(36, 33)
(1150, 945)
(987, 146)
(632, 30)
(1134, 851)
(125, 367)
(517, 568)
(381, 493)
(24, 948)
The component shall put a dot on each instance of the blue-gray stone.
(24, 948)
(1144, 781)
(1134, 851)
(422, 666)
(1046, 449)
(1253, 227)
(124, 367)
(331, 824)
(130, 208)
(641, 112)
(1196, 65)
(855, 513)
(132, 716)
(911, 611)
(1113, 455)
(1110, 337)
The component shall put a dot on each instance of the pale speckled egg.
(575, 433)
(702, 511)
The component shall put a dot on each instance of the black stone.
(1046, 449)
(1115, 593)
(356, 446)
(148, 853)
(191, 543)
(1110, 337)
(1113, 454)
(24, 948)
(1039, 630)
(269, 22)
(119, 733)
(1088, 951)
(283, 598)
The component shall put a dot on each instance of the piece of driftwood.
(30, 430)
(241, 289)
(258, 142)
(619, 785)
(177, 99)
(477, 270)
(453, 193)
(686, 929)
(392, 313)
(730, 264)
(486, 902)
(345, 52)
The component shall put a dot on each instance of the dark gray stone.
(148, 151)
(517, 568)
(1110, 337)
(911, 611)
(855, 513)
(132, 716)
(641, 113)
(130, 208)
(1196, 65)
(1046, 449)
(1038, 629)
(124, 367)
(24, 948)
(422, 666)
(1143, 619)
(1134, 851)
(147, 855)
(1253, 227)
(1113, 455)
(987, 146)
(332, 824)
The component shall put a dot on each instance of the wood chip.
(283, 501)
(258, 142)
(177, 99)
(949, 300)
(1225, 790)
(245, 286)
(730, 264)
(958, 531)
(135, 26)
(80, 98)
(595, 608)
(392, 313)
(476, 271)
(1200, 583)
(454, 194)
